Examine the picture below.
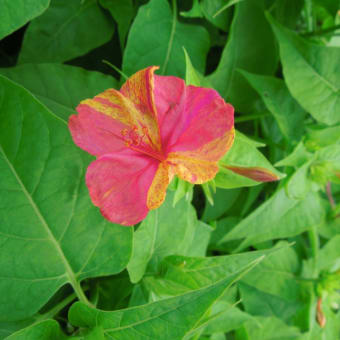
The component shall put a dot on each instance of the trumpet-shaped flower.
(153, 128)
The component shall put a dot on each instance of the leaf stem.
(80, 293)
(172, 34)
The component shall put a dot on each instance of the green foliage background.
(232, 259)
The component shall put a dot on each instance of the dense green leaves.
(61, 33)
(159, 236)
(173, 318)
(44, 208)
(280, 216)
(311, 72)
(287, 112)
(252, 254)
(16, 13)
(249, 25)
(155, 41)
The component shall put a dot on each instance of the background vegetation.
(232, 259)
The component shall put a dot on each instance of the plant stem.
(57, 308)
(246, 118)
(172, 34)
(309, 15)
(116, 69)
(314, 244)
(330, 196)
(80, 293)
(322, 32)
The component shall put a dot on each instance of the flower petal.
(157, 190)
(119, 185)
(95, 132)
(139, 88)
(190, 116)
(114, 119)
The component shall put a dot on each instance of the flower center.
(141, 142)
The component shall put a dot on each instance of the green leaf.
(323, 136)
(261, 295)
(8, 328)
(223, 201)
(278, 217)
(180, 274)
(268, 329)
(299, 156)
(62, 33)
(216, 11)
(16, 13)
(172, 318)
(258, 302)
(44, 330)
(329, 256)
(299, 184)
(244, 165)
(164, 232)
(50, 233)
(157, 38)
(249, 27)
(288, 12)
(59, 87)
(122, 11)
(287, 112)
(311, 73)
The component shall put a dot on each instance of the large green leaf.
(280, 216)
(59, 87)
(44, 330)
(62, 33)
(312, 74)
(9, 327)
(16, 13)
(166, 231)
(261, 295)
(244, 165)
(50, 233)
(170, 318)
(157, 38)
(250, 46)
(180, 274)
(287, 112)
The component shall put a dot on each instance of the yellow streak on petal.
(157, 190)
(200, 165)
(133, 106)
(196, 171)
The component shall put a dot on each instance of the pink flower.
(155, 127)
